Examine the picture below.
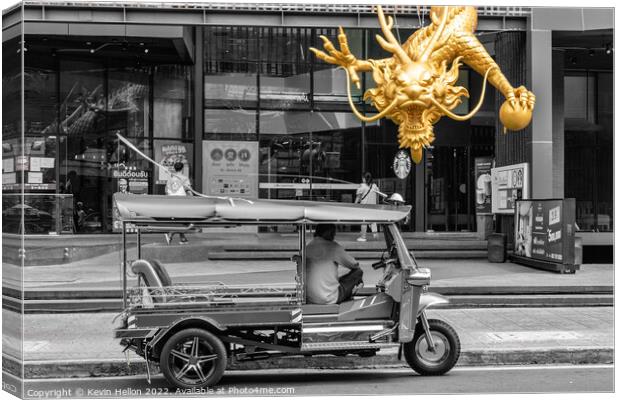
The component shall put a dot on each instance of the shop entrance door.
(449, 189)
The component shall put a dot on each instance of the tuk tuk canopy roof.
(152, 208)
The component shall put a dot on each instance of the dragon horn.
(438, 32)
(392, 44)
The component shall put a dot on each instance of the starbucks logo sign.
(402, 164)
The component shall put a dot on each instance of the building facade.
(232, 91)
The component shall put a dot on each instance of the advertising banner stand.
(484, 214)
(545, 234)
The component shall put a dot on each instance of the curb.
(102, 305)
(476, 357)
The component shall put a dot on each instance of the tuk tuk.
(194, 330)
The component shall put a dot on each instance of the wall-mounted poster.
(132, 181)
(167, 153)
(483, 185)
(230, 168)
(22, 163)
(545, 230)
(8, 165)
(509, 184)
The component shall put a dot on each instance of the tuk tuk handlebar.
(383, 263)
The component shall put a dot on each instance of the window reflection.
(309, 155)
(76, 104)
(330, 82)
(588, 150)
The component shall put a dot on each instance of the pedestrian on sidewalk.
(178, 185)
(367, 194)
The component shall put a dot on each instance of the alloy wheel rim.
(441, 353)
(193, 361)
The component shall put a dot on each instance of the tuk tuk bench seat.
(158, 289)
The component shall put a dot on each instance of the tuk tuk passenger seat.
(153, 274)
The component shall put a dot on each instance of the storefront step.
(376, 245)
(360, 255)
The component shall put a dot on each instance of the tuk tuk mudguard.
(429, 299)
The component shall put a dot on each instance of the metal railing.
(212, 294)
(403, 9)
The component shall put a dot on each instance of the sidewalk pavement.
(79, 345)
(104, 272)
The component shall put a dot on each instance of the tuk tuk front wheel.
(193, 358)
(425, 361)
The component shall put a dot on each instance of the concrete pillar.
(198, 110)
(420, 195)
(540, 78)
(558, 123)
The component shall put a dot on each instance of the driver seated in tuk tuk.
(323, 257)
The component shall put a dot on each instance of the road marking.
(32, 346)
(534, 366)
(533, 336)
(400, 370)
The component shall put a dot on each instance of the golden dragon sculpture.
(415, 88)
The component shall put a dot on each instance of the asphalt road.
(394, 381)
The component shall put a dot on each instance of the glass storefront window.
(588, 152)
(238, 124)
(284, 68)
(13, 158)
(309, 155)
(172, 104)
(77, 102)
(330, 82)
(230, 67)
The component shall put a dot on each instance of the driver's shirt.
(323, 257)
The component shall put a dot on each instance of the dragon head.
(413, 91)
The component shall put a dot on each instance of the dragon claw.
(516, 112)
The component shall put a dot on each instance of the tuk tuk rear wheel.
(447, 349)
(193, 358)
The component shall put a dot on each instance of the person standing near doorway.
(178, 185)
(367, 194)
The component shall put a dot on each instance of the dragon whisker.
(472, 112)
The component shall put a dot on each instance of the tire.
(448, 348)
(193, 358)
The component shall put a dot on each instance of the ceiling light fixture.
(608, 49)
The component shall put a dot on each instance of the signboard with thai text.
(230, 168)
(482, 166)
(508, 184)
(545, 230)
